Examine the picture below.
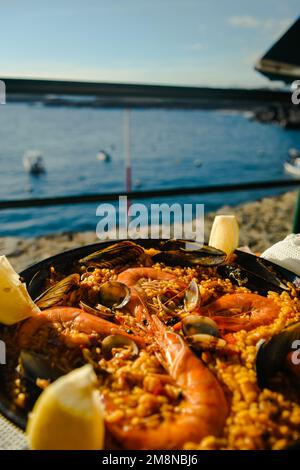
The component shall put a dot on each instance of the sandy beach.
(262, 223)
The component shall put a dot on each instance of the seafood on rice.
(180, 348)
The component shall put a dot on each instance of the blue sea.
(170, 148)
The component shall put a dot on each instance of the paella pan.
(191, 350)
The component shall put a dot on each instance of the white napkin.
(286, 253)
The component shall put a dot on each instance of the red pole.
(128, 179)
(127, 154)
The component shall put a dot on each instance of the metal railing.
(149, 194)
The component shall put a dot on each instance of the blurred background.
(217, 112)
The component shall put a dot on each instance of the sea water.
(170, 149)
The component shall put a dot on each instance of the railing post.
(296, 222)
(127, 149)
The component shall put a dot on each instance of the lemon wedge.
(15, 302)
(68, 414)
(224, 233)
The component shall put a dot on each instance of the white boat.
(103, 156)
(294, 153)
(33, 162)
(293, 167)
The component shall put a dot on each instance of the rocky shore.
(262, 223)
(288, 117)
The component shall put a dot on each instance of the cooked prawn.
(76, 326)
(202, 411)
(241, 311)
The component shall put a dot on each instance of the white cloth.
(11, 437)
(286, 253)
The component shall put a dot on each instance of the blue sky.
(187, 42)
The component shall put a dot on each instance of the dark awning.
(282, 61)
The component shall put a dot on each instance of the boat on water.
(294, 153)
(292, 165)
(103, 156)
(33, 162)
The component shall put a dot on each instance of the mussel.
(184, 253)
(258, 274)
(179, 244)
(55, 294)
(110, 296)
(113, 256)
(265, 268)
(35, 366)
(244, 278)
(272, 355)
(118, 341)
(202, 332)
(37, 282)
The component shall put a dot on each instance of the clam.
(191, 300)
(272, 355)
(196, 324)
(98, 310)
(192, 297)
(166, 304)
(111, 295)
(115, 255)
(202, 332)
(202, 342)
(184, 253)
(35, 366)
(118, 341)
(114, 294)
(55, 294)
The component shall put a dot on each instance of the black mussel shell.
(185, 253)
(244, 278)
(186, 246)
(55, 294)
(37, 282)
(178, 244)
(112, 255)
(271, 355)
(294, 446)
(37, 366)
(171, 258)
(266, 270)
